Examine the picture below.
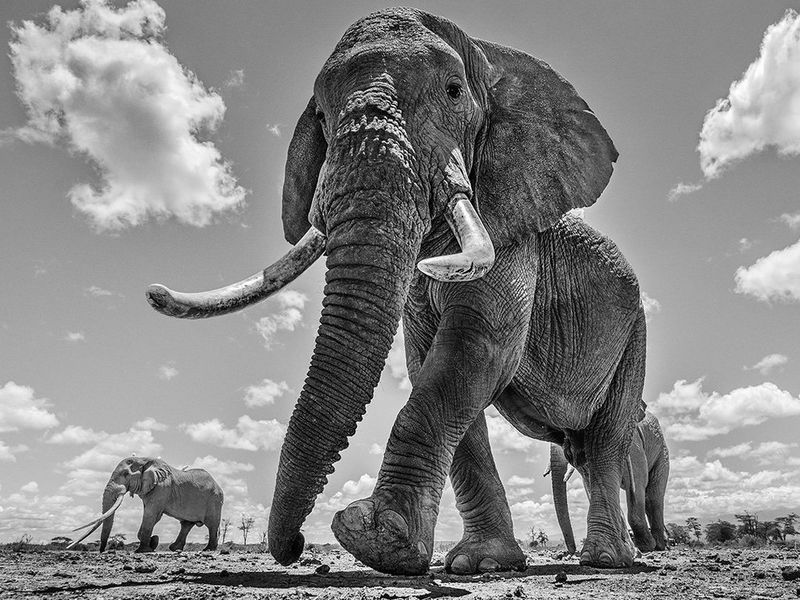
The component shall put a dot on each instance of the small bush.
(749, 541)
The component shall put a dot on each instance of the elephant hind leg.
(180, 541)
(654, 502)
(607, 443)
(635, 495)
(212, 522)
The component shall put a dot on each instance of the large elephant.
(423, 146)
(189, 495)
(644, 482)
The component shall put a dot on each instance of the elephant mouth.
(473, 262)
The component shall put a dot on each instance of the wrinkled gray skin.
(191, 496)
(650, 469)
(407, 113)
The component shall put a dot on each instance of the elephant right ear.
(151, 474)
(544, 152)
(303, 163)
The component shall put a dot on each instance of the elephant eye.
(454, 90)
(321, 117)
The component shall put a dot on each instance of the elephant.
(644, 482)
(189, 495)
(422, 146)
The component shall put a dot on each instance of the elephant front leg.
(488, 543)
(147, 541)
(392, 530)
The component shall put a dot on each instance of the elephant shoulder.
(574, 255)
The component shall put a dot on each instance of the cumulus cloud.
(100, 81)
(352, 490)
(76, 434)
(9, 453)
(772, 277)
(287, 318)
(792, 220)
(30, 488)
(167, 372)
(98, 292)
(20, 409)
(235, 79)
(75, 336)
(396, 361)
(651, 307)
(110, 448)
(765, 453)
(502, 435)
(761, 109)
(376, 449)
(249, 434)
(274, 129)
(264, 393)
(683, 189)
(769, 363)
(690, 414)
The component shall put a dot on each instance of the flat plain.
(680, 573)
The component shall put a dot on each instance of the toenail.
(460, 564)
(488, 564)
(423, 552)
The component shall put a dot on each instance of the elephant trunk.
(112, 493)
(558, 472)
(370, 264)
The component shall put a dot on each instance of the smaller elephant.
(189, 495)
(644, 482)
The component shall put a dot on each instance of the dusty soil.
(679, 573)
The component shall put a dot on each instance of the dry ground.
(682, 574)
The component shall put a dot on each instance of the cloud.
(772, 277)
(110, 448)
(351, 490)
(396, 361)
(264, 393)
(98, 292)
(651, 307)
(761, 108)
(792, 220)
(516, 480)
(150, 424)
(248, 435)
(235, 80)
(274, 129)
(9, 453)
(502, 435)
(167, 372)
(99, 81)
(76, 434)
(75, 336)
(30, 488)
(772, 452)
(690, 414)
(289, 315)
(769, 363)
(20, 409)
(376, 449)
(683, 189)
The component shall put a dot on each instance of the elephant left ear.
(544, 151)
(152, 473)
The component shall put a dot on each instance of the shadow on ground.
(437, 583)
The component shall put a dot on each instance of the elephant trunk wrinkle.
(356, 329)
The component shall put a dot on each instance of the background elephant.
(191, 496)
(645, 484)
(422, 146)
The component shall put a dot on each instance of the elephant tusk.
(569, 473)
(546, 473)
(201, 305)
(85, 535)
(104, 516)
(477, 252)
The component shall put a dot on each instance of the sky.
(145, 142)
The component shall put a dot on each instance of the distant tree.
(719, 532)
(749, 524)
(542, 538)
(693, 525)
(786, 524)
(678, 533)
(769, 530)
(244, 527)
(225, 525)
(61, 541)
(117, 541)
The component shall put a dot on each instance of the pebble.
(145, 568)
(790, 573)
(561, 577)
(323, 569)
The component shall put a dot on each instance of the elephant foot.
(484, 554)
(379, 536)
(209, 548)
(604, 555)
(644, 542)
(176, 547)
